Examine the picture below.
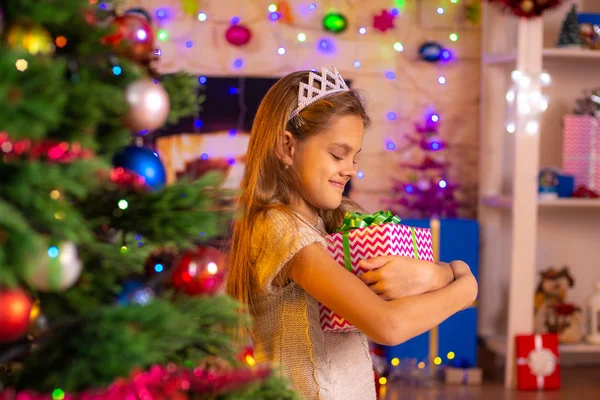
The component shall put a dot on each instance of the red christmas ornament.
(15, 309)
(199, 271)
(383, 21)
(238, 35)
(133, 37)
(127, 179)
(527, 8)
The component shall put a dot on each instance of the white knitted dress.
(320, 365)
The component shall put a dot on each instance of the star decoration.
(383, 21)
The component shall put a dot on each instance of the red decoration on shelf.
(527, 8)
(238, 35)
(586, 193)
(133, 38)
(537, 362)
(383, 21)
(47, 150)
(15, 309)
(200, 271)
(161, 382)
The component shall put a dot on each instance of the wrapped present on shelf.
(537, 362)
(463, 376)
(364, 236)
(581, 150)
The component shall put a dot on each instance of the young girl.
(303, 146)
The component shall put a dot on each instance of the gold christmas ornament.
(527, 6)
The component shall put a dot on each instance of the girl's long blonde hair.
(267, 184)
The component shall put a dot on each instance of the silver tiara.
(328, 83)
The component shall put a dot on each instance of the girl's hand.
(393, 277)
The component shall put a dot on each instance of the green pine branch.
(110, 342)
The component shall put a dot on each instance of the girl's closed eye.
(337, 158)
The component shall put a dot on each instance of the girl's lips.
(338, 185)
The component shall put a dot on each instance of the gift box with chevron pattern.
(581, 150)
(348, 248)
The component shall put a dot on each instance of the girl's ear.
(288, 148)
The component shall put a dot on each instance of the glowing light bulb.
(281, 50)
(21, 64)
(362, 30)
(511, 128)
(163, 35)
(398, 46)
(301, 37)
(454, 37)
(395, 361)
(450, 355)
(437, 361)
(510, 96)
(545, 78)
(202, 17)
(532, 127)
(356, 63)
(272, 8)
(440, 10)
(441, 80)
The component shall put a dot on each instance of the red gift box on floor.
(581, 149)
(365, 236)
(537, 362)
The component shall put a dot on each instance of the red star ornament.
(383, 21)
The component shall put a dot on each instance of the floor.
(580, 383)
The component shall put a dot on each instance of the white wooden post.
(524, 210)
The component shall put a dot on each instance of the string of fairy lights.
(334, 22)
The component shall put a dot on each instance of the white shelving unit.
(521, 234)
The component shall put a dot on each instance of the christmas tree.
(427, 191)
(108, 288)
(569, 34)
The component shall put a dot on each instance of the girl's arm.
(385, 322)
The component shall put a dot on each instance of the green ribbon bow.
(356, 220)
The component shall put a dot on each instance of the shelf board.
(507, 202)
(497, 344)
(574, 53)
(570, 52)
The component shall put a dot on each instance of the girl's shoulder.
(277, 235)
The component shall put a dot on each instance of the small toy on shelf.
(548, 184)
(552, 313)
(588, 30)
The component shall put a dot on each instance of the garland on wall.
(527, 8)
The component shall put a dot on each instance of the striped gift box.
(581, 150)
(373, 241)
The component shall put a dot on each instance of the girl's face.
(327, 161)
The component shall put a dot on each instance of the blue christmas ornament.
(134, 292)
(431, 51)
(144, 162)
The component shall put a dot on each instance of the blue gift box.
(588, 18)
(457, 336)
